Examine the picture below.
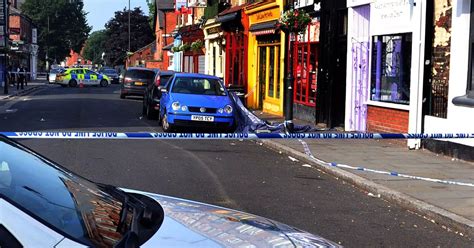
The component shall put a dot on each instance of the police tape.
(211, 136)
(308, 152)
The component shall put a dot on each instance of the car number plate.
(202, 118)
(139, 83)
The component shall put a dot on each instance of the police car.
(73, 77)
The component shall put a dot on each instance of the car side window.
(7, 239)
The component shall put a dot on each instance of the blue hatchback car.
(196, 100)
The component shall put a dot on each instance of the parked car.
(196, 100)
(52, 74)
(111, 73)
(72, 77)
(45, 205)
(135, 81)
(151, 99)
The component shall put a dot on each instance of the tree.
(116, 45)
(152, 11)
(95, 46)
(62, 26)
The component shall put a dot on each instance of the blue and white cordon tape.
(250, 136)
(308, 152)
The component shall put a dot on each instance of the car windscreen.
(198, 86)
(77, 207)
(140, 74)
(164, 79)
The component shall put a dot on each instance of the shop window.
(391, 64)
(235, 56)
(468, 99)
(305, 69)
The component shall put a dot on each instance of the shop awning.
(168, 47)
(228, 17)
(264, 28)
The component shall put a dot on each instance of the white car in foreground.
(44, 205)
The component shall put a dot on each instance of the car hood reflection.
(193, 224)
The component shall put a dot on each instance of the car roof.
(195, 75)
(167, 73)
(142, 68)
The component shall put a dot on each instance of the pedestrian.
(10, 75)
(21, 77)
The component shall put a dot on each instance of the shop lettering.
(264, 15)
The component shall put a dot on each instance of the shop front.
(234, 22)
(215, 49)
(266, 57)
(384, 70)
(305, 71)
(193, 60)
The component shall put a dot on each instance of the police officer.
(21, 77)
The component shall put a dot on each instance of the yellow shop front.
(266, 57)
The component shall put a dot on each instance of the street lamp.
(289, 79)
(129, 25)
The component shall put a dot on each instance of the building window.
(468, 99)
(391, 64)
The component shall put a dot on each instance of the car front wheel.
(73, 83)
(167, 127)
(104, 83)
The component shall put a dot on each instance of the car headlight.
(184, 108)
(228, 109)
(220, 111)
(175, 106)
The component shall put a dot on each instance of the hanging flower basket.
(197, 46)
(294, 21)
(184, 47)
(175, 49)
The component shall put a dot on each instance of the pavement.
(13, 91)
(451, 206)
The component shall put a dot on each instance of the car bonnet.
(190, 224)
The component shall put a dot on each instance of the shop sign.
(266, 15)
(34, 36)
(353, 3)
(3, 23)
(391, 16)
(197, 4)
(213, 30)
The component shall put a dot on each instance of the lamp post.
(289, 79)
(129, 25)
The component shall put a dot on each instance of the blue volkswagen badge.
(203, 110)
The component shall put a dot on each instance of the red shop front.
(305, 69)
(234, 22)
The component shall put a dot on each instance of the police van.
(73, 77)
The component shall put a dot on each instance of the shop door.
(268, 74)
(261, 75)
(360, 69)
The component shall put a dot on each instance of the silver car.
(52, 74)
(44, 205)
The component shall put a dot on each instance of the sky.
(101, 11)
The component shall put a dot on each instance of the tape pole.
(213, 136)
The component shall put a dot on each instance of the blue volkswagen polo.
(196, 100)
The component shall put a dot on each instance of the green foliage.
(197, 45)
(95, 46)
(184, 47)
(62, 25)
(152, 12)
(294, 21)
(116, 45)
